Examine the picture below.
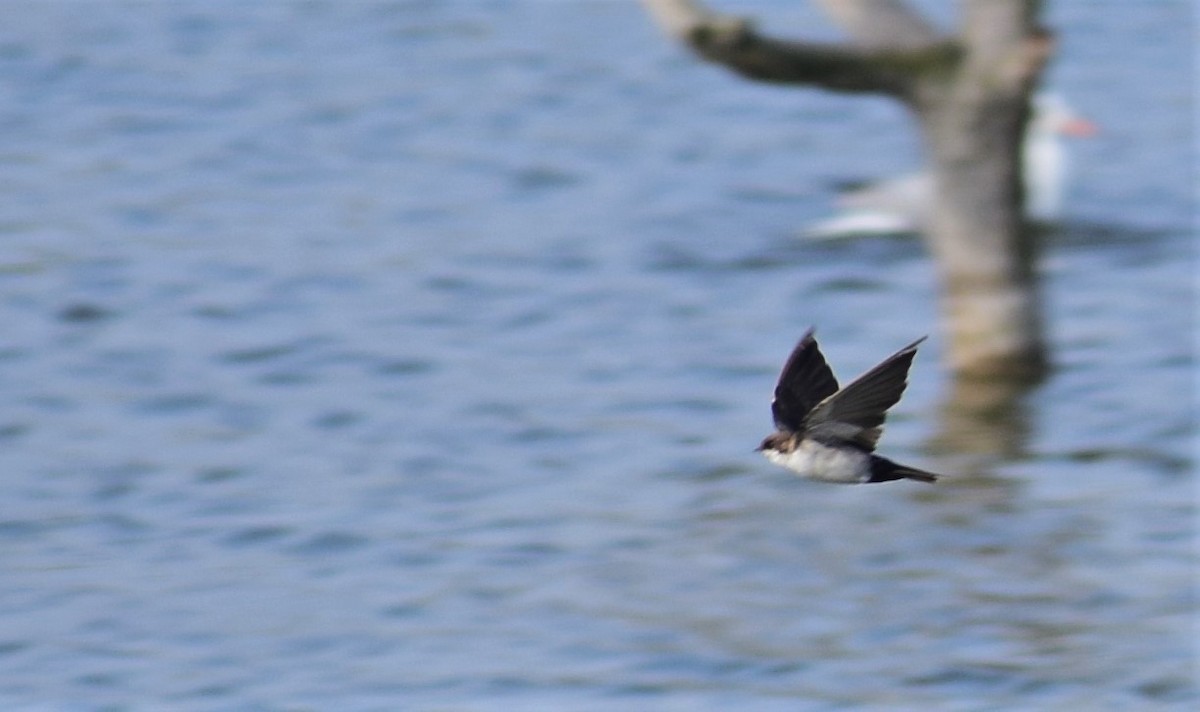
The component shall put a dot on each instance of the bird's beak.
(1080, 128)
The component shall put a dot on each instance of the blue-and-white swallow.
(828, 434)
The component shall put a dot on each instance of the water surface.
(378, 356)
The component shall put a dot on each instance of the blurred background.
(378, 356)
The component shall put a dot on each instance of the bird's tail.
(884, 470)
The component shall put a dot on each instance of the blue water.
(410, 356)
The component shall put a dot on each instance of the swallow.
(829, 434)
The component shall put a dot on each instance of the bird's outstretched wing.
(863, 404)
(805, 381)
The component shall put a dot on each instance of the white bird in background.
(902, 205)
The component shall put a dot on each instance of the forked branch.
(868, 65)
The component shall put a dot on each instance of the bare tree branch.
(734, 42)
(881, 24)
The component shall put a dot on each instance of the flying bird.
(828, 434)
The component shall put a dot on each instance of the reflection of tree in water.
(983, 422)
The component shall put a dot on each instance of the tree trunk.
(970, 95)
(973, 120)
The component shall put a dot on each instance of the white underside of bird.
(827, 464)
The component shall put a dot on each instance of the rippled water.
(392, 356)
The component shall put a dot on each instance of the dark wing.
(858, 410)
(806, 380)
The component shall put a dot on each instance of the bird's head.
(777, 441)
